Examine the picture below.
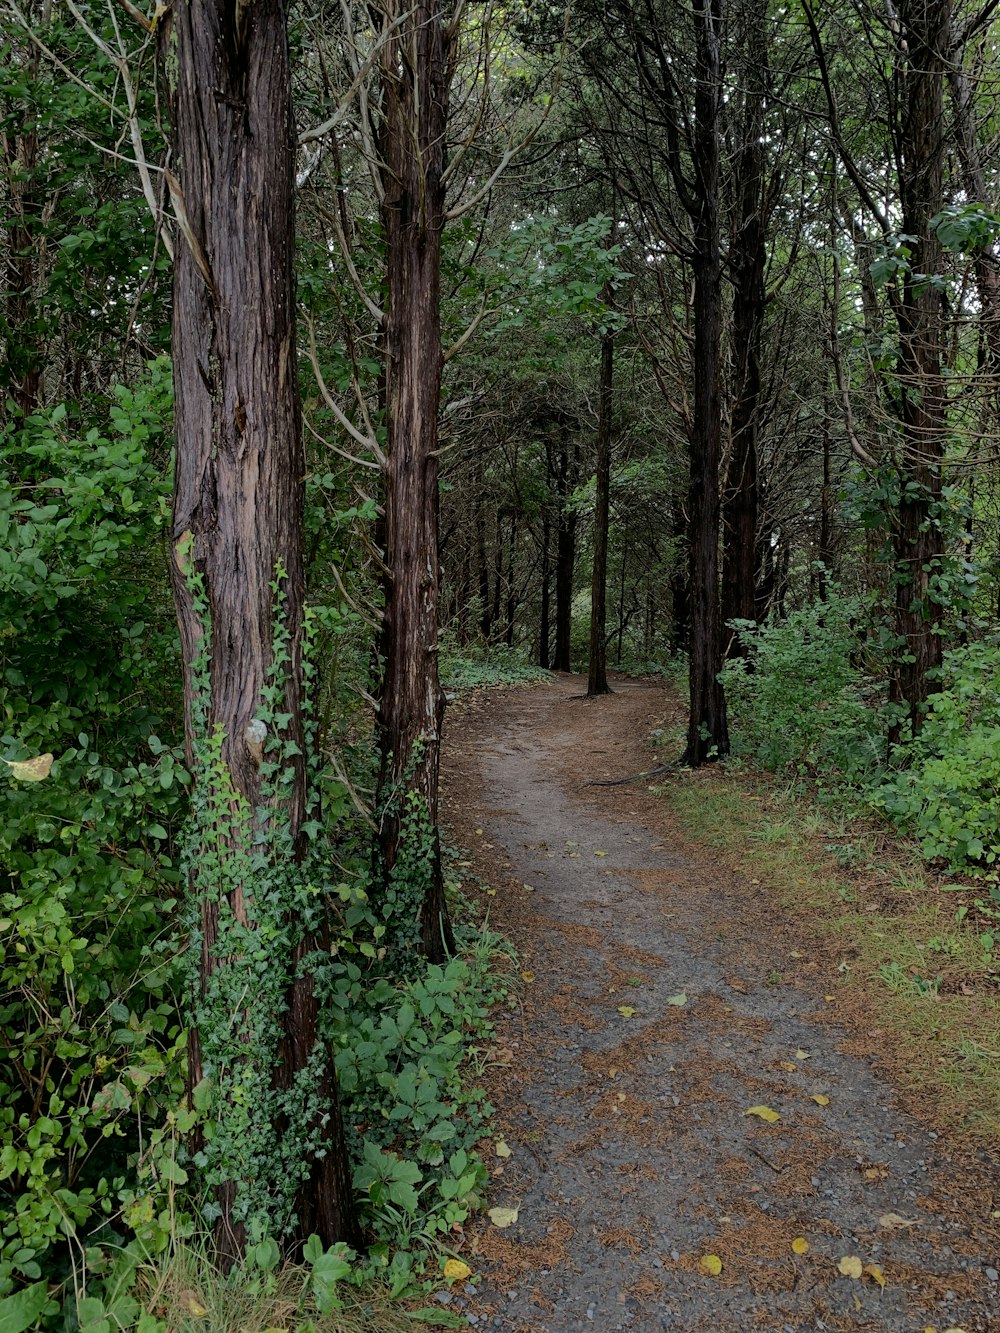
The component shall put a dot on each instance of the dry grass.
(909, 968)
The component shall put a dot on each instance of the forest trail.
(632, 1155)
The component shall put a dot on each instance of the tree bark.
(416, 68)
(565, 556)
(239, 494)
(708, 734)
(544, 628)
(748, 257)
(920, 313)
(597, 680)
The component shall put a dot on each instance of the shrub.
(799, 700)
(948, 791)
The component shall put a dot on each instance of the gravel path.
(666, 1001)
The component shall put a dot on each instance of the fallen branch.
(636, 777)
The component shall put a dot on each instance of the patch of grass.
(186, 1290)
(917, 961)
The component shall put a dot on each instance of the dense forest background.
(359, 352)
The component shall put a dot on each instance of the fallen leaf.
(456, 1271)
(850, 1266)
(612, 1072)
(820, 1100)
(529, 888)
(621, 1096)
(765, 1113)
(803, 1055)
(787, 1064)
(528, 977)
(492, 893)
(795, 954)
(678, 999)
(600, 853)
(710, 1264)
(626, 1010)
(193, 1305)
(503, 1217)
(875, 1273)
(479, 832)
(876, 1173)
(30, 770)
(829, 998)
(954, 1330)
(800, 1245)
(894, 1221)
(502, 1148)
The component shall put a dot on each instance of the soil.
(663, 998)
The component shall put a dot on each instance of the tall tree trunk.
(565, 556)
(749, 257)
(237, 537)
(825, 538)
(416, 69)
(597, 680)
(920, 314)
(708, 733)
(544, 628)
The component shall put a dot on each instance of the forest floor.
(664, 994)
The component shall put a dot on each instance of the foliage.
(948, 791)
(93, 1052)
(800, 699)
(464, 668)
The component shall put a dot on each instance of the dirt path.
(632, 1155)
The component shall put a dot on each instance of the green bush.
(799, 701)
(948, 791)
(91, 1055)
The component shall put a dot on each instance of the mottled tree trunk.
(238, 490)
(416, 71)
(597, 680)
(920, 314)
(708, 734)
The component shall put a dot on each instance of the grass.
(188, 1292)
(912, 955)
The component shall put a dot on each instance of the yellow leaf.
(193, 1305)
(820, 1100)
(803, 1055)
(765, 1113)
(710, 1264)
(503, 1217)
(829, 998)
(456, 1271)
(795, 954)
(626, 1010)
(30, 770)
(612, 1072)
(600, 853)
(875, 1173)
(787, 1064)
(502, 1148)
(528, 977)
(800, 1245)
(894, 1221)
(954, 1330)
(621, 1096)
(875, 1273)
(492, 893)
(479, 832)
(529, 888)
(850, 1266)
(678, 999)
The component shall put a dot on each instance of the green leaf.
(20, 1311)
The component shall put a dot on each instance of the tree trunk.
(544, 628)
(416, 69)
(565, 557)
(708, 734)
(920, 313)
(238, 586)
(749, 257)
(597, 681)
